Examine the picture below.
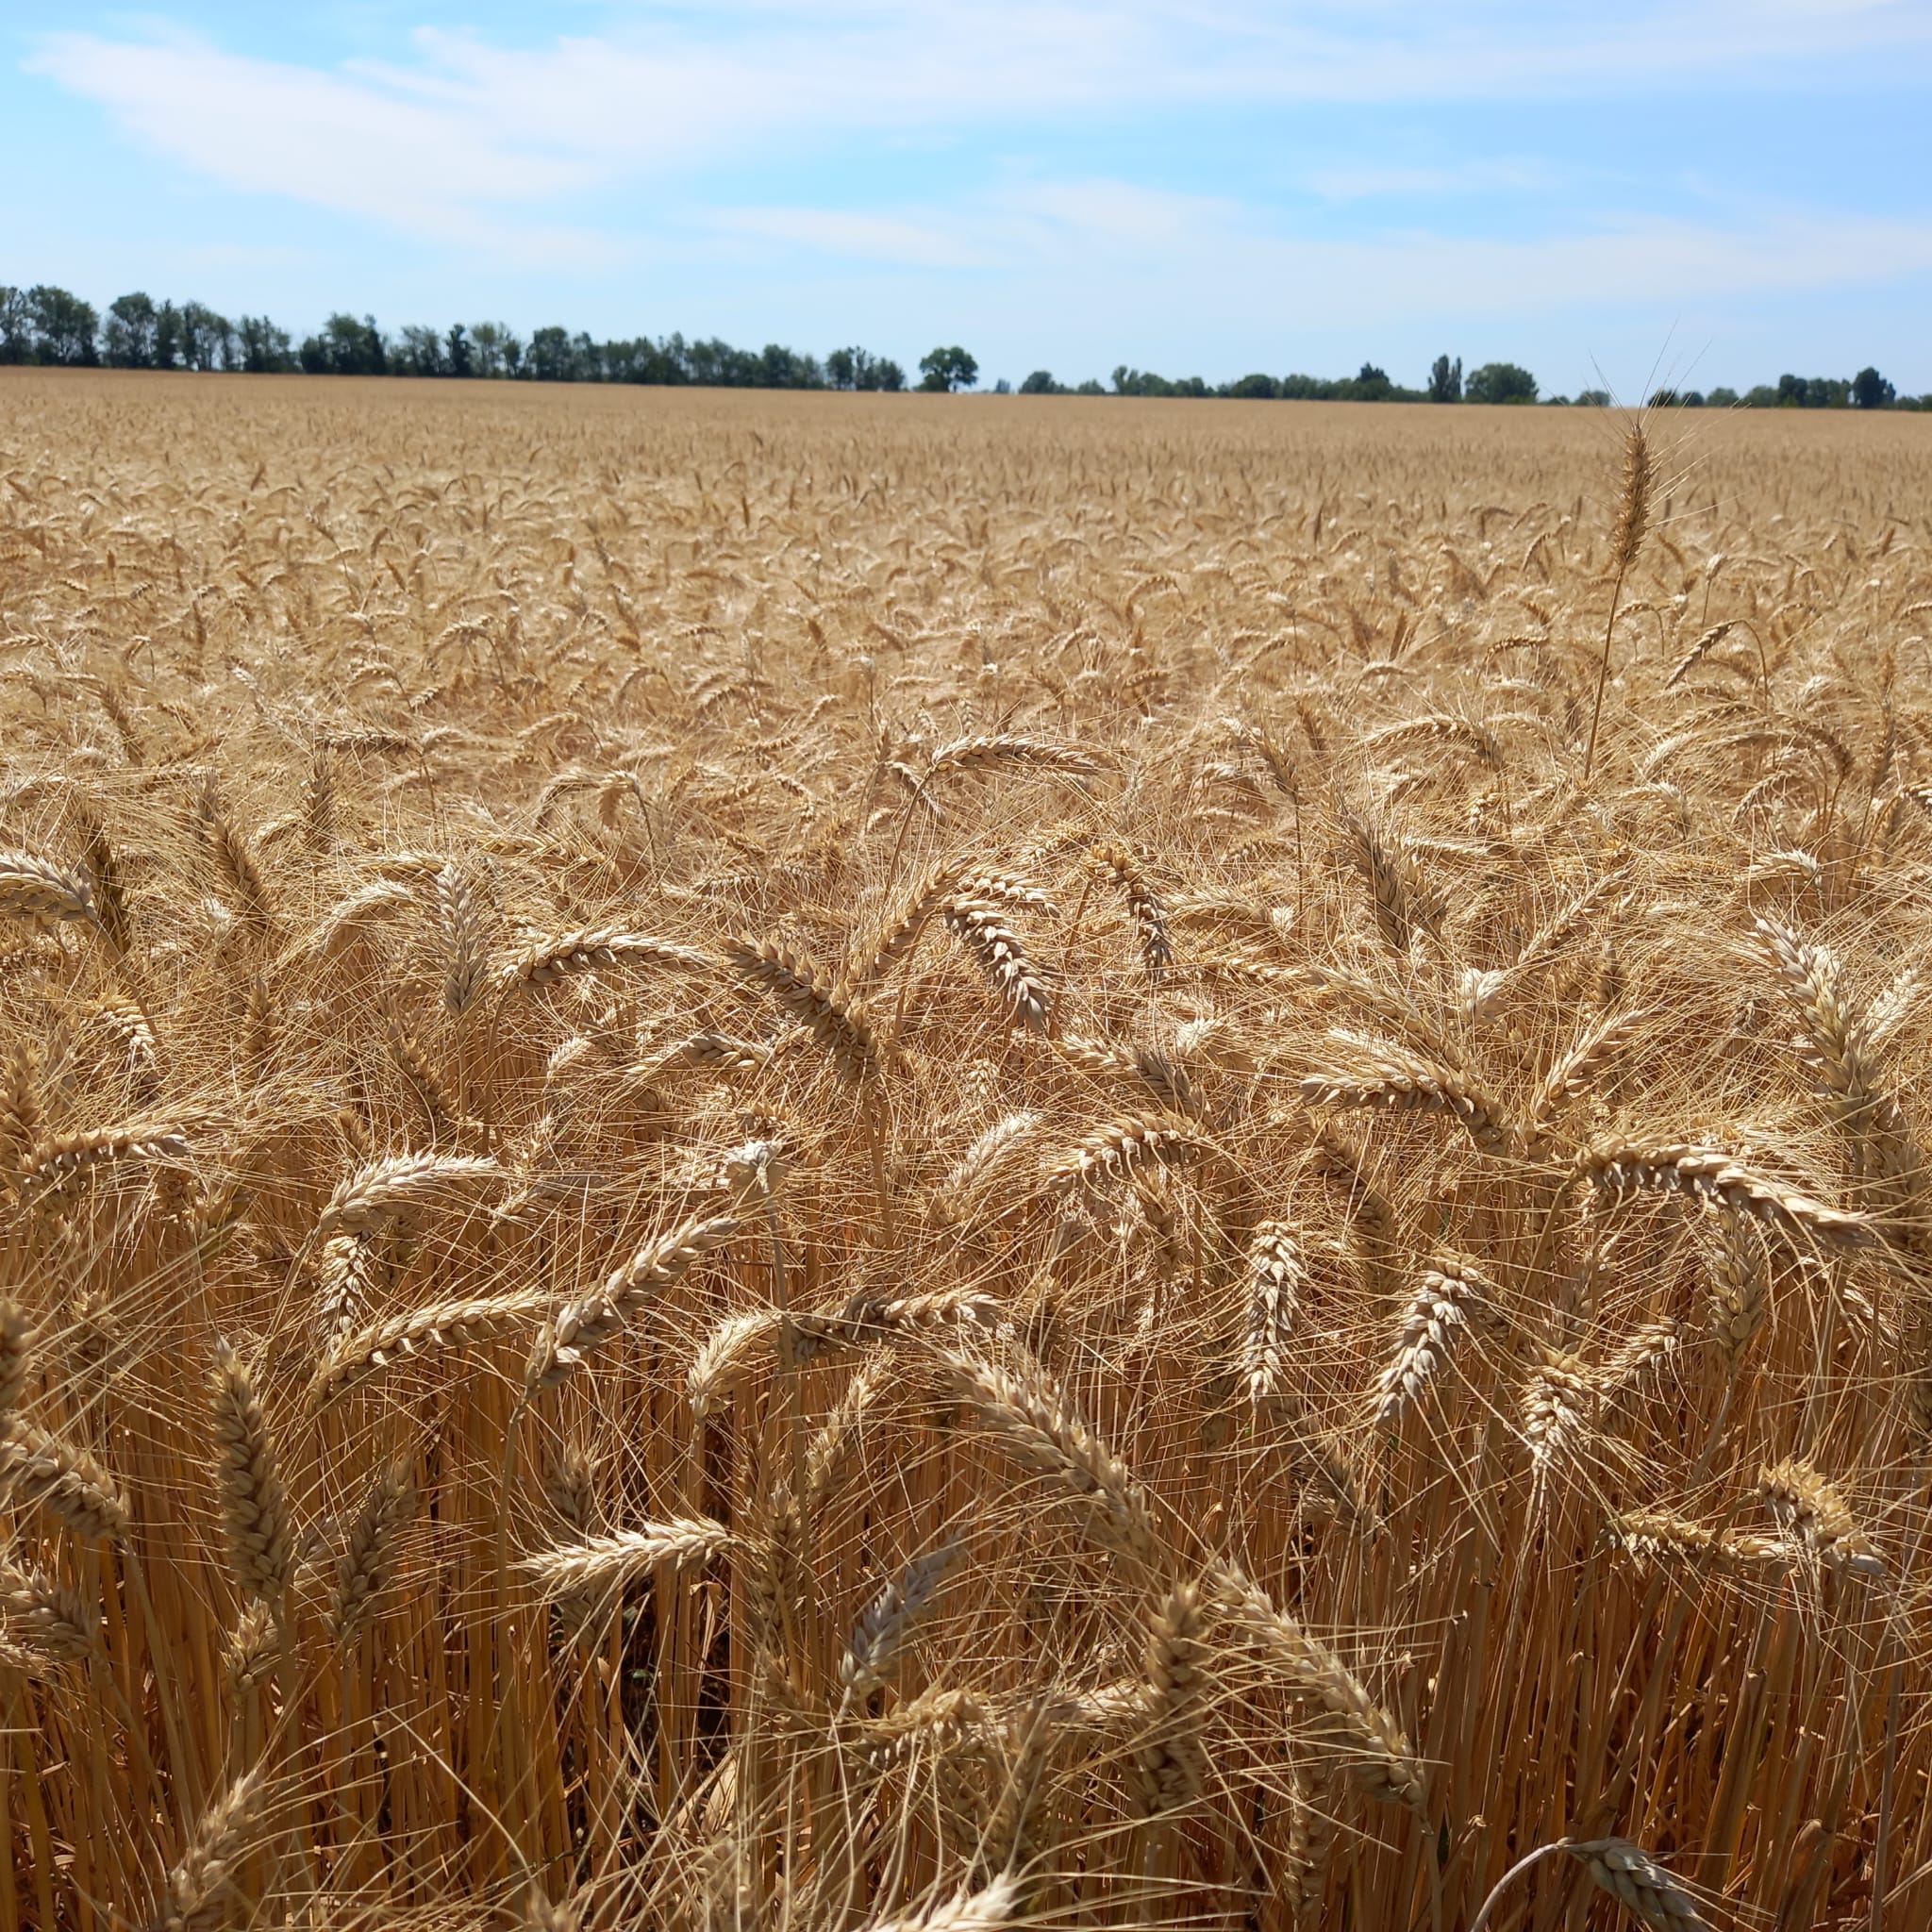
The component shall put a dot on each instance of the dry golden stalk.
(460, 925)
(1381, 1073)
(1661, 1536)
(436, 1329)
(39, 1470)
(1738, 1297)
(592, 950)
(1399, 909)
(1122, 1148)
(46, 1615)
(1011, 750)
(244, 888)
(1812, 1513)
(1170, 1760)
(1633, 519)
(1276, 1278)
(369, 1200)
(836, 1024)
(59, 1159)
(1143, 906)
(881, 1631)
(605, 1564)
(980, 927)
(199, 1895)
(1637, 1881)
(33, 888)
(992, 1906)
(1046, 1433)
(1717, 1174)
(591, 1321)
(254, 1508)
(367, 1564)
(1443, 1299)
(1379, 1755)
(249, 1654)
(16, 1351)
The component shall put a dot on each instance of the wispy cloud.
(911, 243)
(1067, 236)
(468, 124)
(1463, 179)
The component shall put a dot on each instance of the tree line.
(52, 326)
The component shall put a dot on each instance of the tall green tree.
(1500, 382)
(261, 348)
(207, 339)
(947, 369)
(16, 325)
(1445, 380)
(1870, 391)
(64, 326)
(128, 337)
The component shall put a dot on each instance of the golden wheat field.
(849, 1163)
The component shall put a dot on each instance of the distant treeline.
(47, 324)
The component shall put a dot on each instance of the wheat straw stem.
(1632, 511)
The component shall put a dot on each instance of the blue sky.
(1719, 189)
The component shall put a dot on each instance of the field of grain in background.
(822, 1161)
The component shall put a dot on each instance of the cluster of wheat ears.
(765, 1165)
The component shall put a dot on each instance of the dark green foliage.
(947, 369)
(1500, 382)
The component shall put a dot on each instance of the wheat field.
(816, 1162)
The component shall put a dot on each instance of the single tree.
(456, 356)
(1256, 388)
(1039, 383)
(127, 338)
(64, 326)
(208, 340)
(263, 348)
(167, 337)
(1870, 391)
(948, 369)
(1499, 382)
(487, 340)
(1445, 380)
(16, 325)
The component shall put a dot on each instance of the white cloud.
(466, 128)
(1067, 240)
(912, 244)
(1465, 178)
